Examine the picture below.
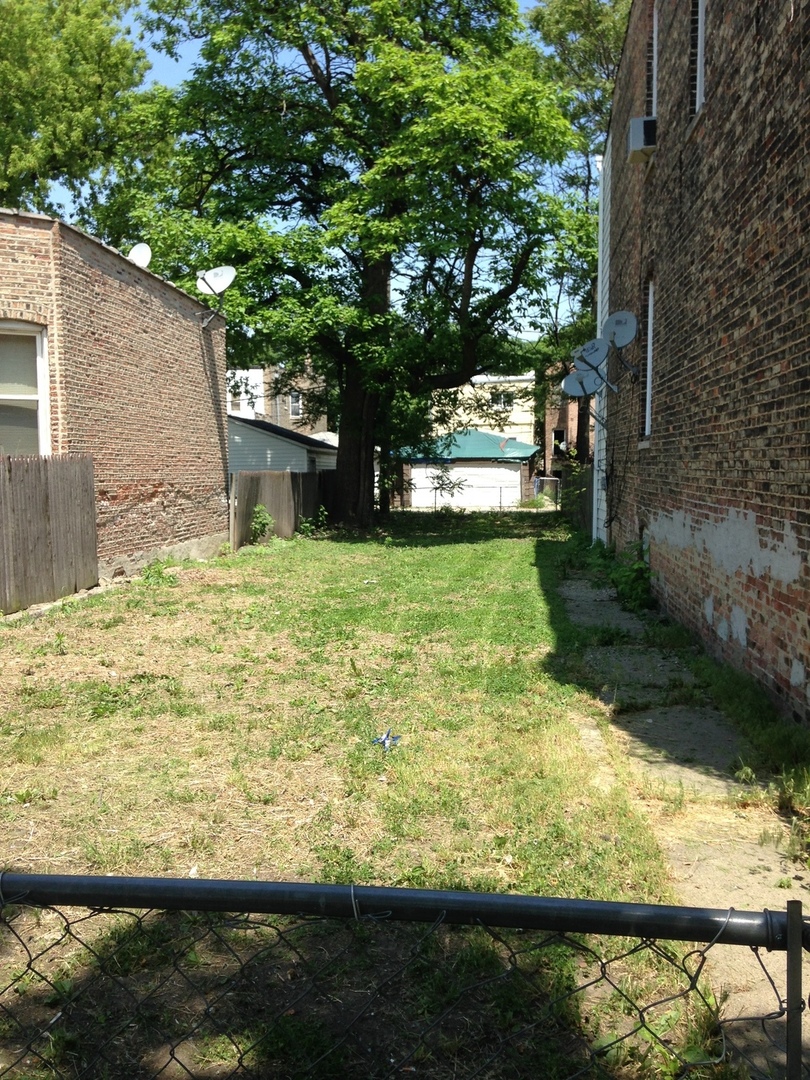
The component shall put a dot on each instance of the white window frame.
(43, 395)
(296, 409)
(654, 76)
(700, 57)
(498, 399)
(649, 372)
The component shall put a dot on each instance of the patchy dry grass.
(218, 720)
(221, 717)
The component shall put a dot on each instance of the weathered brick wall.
(719, 222)
(26, 268)
(136, 381)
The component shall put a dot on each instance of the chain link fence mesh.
(175, 994)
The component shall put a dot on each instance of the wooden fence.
(288, 496)
(48, 542)
(576, 496)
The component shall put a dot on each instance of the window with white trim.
(502, 399)
(25, 422)
(648, 372)
(697, 57)
(295, 405)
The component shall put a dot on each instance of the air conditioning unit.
(641, 139)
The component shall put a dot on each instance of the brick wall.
(718, 221)
(136, 381)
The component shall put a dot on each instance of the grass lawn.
(219, 718)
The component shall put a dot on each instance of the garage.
(477, 470)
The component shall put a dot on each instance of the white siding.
(250, 449)
(325, 459)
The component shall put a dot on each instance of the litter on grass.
(386, 741)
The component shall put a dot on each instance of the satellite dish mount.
(214, 283)
(620, 329)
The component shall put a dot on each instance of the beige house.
(500, 405)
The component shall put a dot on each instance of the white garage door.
(483, 486)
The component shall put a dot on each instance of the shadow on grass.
(415, 528)
(209, 995)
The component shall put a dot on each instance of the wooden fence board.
(288, 496)
(8, 591)
(48, 544)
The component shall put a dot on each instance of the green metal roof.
(474, 445)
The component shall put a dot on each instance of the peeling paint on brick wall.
(734, 542)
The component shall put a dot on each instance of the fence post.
(232, 511)
(795, 1000)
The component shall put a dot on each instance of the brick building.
(705, 453)
(100, 356)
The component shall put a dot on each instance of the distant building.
(251, 396)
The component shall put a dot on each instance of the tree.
(584, 40)
(63, 65)
(376, 170)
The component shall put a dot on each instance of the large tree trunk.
(355, 458)
(358, 411)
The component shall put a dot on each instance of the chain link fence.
(335, 981)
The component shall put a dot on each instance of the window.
(560, 446)
(652, 64)
(24, 410)
(501, 399)
(648, 368)
(295, 405)
(697, 57)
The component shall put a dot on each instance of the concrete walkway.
(724, 844)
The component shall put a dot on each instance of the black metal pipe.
(754, 928)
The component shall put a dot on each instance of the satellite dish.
(572, 384)
(141, 255)
(591, 381)
(216, 281)
(593, 354)
(620, 328)
(590, 356)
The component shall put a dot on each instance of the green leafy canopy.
(379, 174)
(63, 67)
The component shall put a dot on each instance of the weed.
(30, 795)
(261, 523)
(155, 574)
(340, 866)
(630, 574)
(62, 990)
(57, 647)
(792, 845)
(309, 527)
(50, 696)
